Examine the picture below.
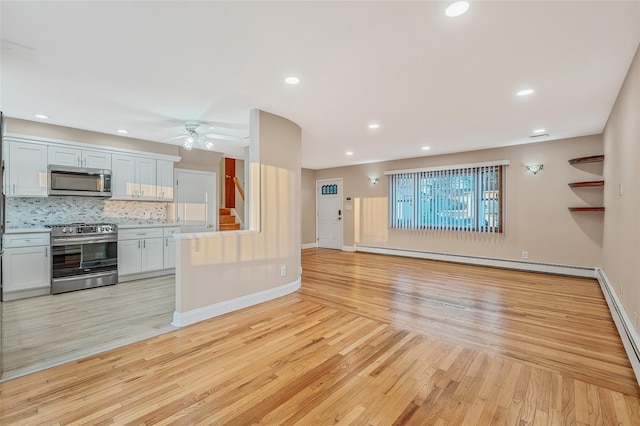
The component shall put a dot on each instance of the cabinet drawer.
(170, 231)
(139, 233)
(26, 240)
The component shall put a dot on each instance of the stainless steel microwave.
(64, 180)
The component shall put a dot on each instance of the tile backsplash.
(37, 212)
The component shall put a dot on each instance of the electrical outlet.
(525, 254)
(620, 189)
(301, 270)
(283, 271)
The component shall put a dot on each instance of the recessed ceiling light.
(349, 152)
(374, 125)
(525, 92)
(41, 116)
(425, 148)
(539, 131)
(123, 131)
(457, 9)
(292, 80)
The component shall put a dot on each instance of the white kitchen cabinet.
(164, 180)
(170, 247)
(133, 178)
(141, 251)
(27, 164)
(146, 177)
(152, 254)
(26, 265)
(70, 156)
(129, 257)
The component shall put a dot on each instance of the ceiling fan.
(205, 139)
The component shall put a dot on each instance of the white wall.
(213, 269)
(621, 246)
(537, 218)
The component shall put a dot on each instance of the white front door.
(196, 201)
(329, 202)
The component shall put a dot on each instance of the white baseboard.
(628, 334)
(577, 271)
(23, 294)
(349, 248)
(235, 214)
(181, 319)
(309, 245)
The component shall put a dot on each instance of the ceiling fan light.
(188, 143)
(208, 144)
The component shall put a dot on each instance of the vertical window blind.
(458, 198)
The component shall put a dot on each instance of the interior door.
(329, 202)
(229, 186)
(195, 200)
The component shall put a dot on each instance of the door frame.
(319, 183)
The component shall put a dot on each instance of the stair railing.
(235, 181)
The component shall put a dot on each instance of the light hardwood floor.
(369, 339)
(45, 331)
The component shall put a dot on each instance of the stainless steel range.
(83, 256)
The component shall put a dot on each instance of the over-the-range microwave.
(66, 180)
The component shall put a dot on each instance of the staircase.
(227, 221)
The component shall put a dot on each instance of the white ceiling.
(447, 83)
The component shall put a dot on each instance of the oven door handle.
(82, 240)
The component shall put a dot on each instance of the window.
(465, 198)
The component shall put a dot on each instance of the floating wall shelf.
(584, 160)
(585, 184)
(586, 209)
(589, 183)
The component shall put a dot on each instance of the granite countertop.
(146, 225)
(24, 230)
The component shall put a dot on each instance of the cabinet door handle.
(138, 243)
(14, 189)
(46, 252)
(144, 244)
(166, 242)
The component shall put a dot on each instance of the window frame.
(416, 177)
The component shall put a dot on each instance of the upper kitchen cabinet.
(27, 169)
(133, 178)
(164, 180)
(70, 156)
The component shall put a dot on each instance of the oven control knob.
(106, 229)
(64, 230)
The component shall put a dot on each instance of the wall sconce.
(534, 168)
(373, 180)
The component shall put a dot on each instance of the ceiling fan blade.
(172, 129)
(174, 138)
(220, 125)
(222, 137)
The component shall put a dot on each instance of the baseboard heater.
(549, 268)
(628, 335)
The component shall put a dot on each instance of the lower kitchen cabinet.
(152, 254)
(170, 247)
(129, 257)
(26, 266)
(144, 252)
